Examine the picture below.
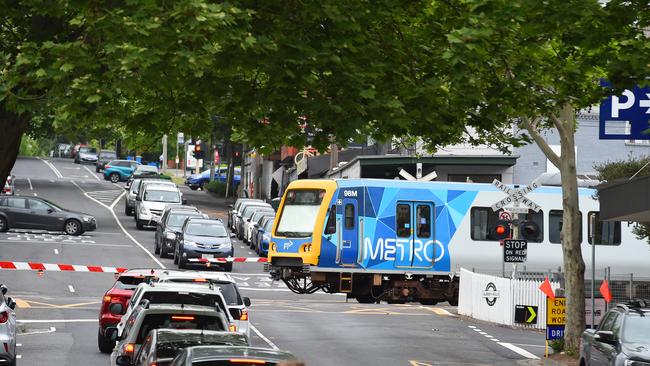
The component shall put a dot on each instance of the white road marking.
(250, 253)
(35, 194)
(45, 241)
(529, 345)
(482, 333)
(519, 350)
(494, 339)
(51, 330)
(92, 173)
(471, 326)
(19, 357)
(54, 169)
(56, 251)
(110, 208)
(259, 334)
(71, 288)
(36, 321)
(31, 188)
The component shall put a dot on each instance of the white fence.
(493, 299)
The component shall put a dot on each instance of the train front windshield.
(299, 213)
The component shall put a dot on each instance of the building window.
(403, 221)
(604, 232)
(555, 226)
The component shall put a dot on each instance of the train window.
(555, 226)
(330, 228)
(424, 221)
(403, 221)
(349, 216)
(604, 232)
(484, 219)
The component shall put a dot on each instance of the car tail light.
(244, 315)
(232, 328)
(107, 298)
(129, 348)
(4, 316)
(247, 361)
(182, 317)
(200, 280)
(107, 166)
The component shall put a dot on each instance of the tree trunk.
(574, 266)
(13, 127)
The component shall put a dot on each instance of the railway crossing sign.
(515, 251)
(516, 197)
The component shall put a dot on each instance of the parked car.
(245, 219)
(146, 169)
(9, 187)
(196, 181)
(253, 224)
(120, 293)
(228, 355)
(63, 150)
(24, 212)
(134, 189)
(237, 304)
(104, 157)
(234, 208)
(7, 328)
(202, 238)
(175, 293)
(75, 150)
(148, 316)
(622, 338)
(151, 200)
(119, 170)
(264, 239)
(86, 155)
(162, 345)
(170, 223)
(238, 216)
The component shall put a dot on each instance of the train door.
(414, 231)
(349, 243)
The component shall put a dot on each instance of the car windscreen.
(205, 229)
(171, 349)
(108, 155)
(299, 213)
(177, 321)
(228, 289)
(129, 282)
(636, 329)
(269, 226)
(175, 220)
(147, 168)
(154, 195)
(88, 150)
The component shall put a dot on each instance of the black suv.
(622, 338)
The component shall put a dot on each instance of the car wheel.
(428, 301)
(97, 169)
(4, 226)
(127, 212)
(139, 224)
(156, 249)
(365, 299)
(182, 263)
(105, 344)
(72, 227)
(194, 188)
(114, 177)
(175, 256)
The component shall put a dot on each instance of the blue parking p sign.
(626, 116)
(554, 332)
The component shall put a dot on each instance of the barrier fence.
(493, 298)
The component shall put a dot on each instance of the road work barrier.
(32, 266)
(227, 260)
(502, 300)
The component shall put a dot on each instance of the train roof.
(483, 187)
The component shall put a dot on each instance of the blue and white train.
(406, 241)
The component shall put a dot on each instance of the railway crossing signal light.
(199, 152)
(501, 230)
(529, 230)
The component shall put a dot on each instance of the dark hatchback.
(18, 212)
(202, 238)
(226, 356)
(162, 345)
(622, 338)
(170, 223)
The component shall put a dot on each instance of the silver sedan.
(7, 329)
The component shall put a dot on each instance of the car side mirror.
(111, 333)
(184, 201)
(232, 235)
(606, 336)
(11, 303)
(4, 289)
(123, 360)
(116, 308)
(50, 210)
(247, 301)
(138, 198)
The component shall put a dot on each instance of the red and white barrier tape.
(31, 266)
(229, 259)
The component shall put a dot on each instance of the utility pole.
(164, 154)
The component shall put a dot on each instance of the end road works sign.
(555, 317)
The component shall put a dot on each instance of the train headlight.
(273, 247)
(306, 248)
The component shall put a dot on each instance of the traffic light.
(529, 230)
(199, 152)
(501, 230)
